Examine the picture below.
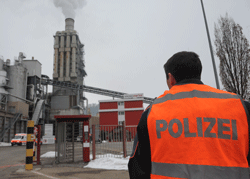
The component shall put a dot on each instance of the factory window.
(121, 113)
(72, 100)
(121, 103)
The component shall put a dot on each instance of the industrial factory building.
(68, 67)
(24, 96)
(129, 109)
(20, 88)
(24, 91)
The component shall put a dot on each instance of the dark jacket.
(140, 162)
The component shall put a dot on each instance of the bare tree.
(232, 48)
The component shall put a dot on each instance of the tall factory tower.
(68, 67)
(68, 55)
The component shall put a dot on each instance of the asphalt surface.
(12, 165)
(70, 172)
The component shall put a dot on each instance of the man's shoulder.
(247, 104)
(146, 112)
(144, 116)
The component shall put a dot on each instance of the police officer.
(192, 131)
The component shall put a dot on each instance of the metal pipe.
(35, 88)
(211, 49)
(6, 101)
(19, 98)
(26, 83)
(73, 69)
(67, 56)
(73, 61)
(62, 57)
(56, 47)
(87, 104)
(46, 92)
(77, 98)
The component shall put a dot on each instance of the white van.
(21, 139)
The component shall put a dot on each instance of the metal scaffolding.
(89, 89)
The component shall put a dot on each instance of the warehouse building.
(115, 112)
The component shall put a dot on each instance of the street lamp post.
(211, 48)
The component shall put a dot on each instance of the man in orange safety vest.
(192, 131)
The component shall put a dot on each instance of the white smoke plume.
(69, 6)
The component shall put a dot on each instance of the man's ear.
(172, 79)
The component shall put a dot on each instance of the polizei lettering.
(203, 127)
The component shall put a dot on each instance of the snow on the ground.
(5, 144)
(50, 154)
(107, 161)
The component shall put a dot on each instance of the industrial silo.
(17, 75)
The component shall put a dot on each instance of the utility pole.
(211, 48)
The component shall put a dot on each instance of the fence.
(114, 141)
(132, 130)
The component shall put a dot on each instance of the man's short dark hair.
(184, 65)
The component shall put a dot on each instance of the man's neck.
(188, 81)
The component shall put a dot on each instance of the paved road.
(14, 157)
(12, 165)
(70, 173)
(10, 156)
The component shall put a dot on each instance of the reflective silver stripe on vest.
(194, 93)
(199, 171)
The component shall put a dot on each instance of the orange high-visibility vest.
(198, 132)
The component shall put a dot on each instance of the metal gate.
(110, 142)
(67, 147)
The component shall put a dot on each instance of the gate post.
(93, 141)
(124, 139)
(38, 144)
(29, 146)
(85, 137)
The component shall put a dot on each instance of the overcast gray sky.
(126, 42)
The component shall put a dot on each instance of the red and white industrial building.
(128, 109)
(113, 112)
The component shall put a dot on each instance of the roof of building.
(118, 100)
(32, 61)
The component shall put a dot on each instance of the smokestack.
(69, 24)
